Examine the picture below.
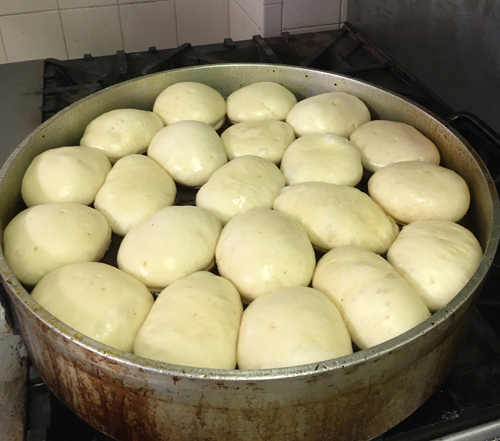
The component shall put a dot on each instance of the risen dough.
(190, 151)
(289, 327)
(437, 258)
(194, 322)
(65, 174)
(334, 215)
(45, 237)
(191, 101)
(97, 300)
(122, 132)
(135, 188)
(333, 112)
(243, 183)
(261, 250)
(384, 142)
(267, 139)
(416, 190)
(172, 243)
(376, 303)
(322, 157)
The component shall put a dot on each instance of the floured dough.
(376, 303)
(194, 322)
(437, 258)
(191, 101)
(172, 243)
(384, 142)
(416, 190)
(97, 300)
(190, 151)
(322, 157)
(261, 250)
(260, 101)
(289, 327)
(122, 132)
(45, 237)
(268, 139)
(135, 188)
(243, 183)
(334, 215)
(333, 112)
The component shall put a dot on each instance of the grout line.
(118, 5)
(3, 46)
(64, 33)
(176, 24)
(250, 18)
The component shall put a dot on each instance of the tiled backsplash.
(32, 29)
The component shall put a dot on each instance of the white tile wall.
(3, 54)
(301, 14)
(8, 7)
(241, 26)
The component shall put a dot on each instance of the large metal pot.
(355, 397)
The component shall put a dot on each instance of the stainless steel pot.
(355, 397)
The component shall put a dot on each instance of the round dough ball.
(335, 215)
(171, 244)
(415, 190)
(261, 250)
(243, 183)
(260, 101)
(376, 303)
(437, 258)
(135, 188)
(191, 101)
(385, 142)
(194, 322)
(289, 327)
(122, 132)
(333, 112)
(65, 174)
(190, 151)
(97, 300)
(322, 157)
(267, 139)
(45, 237)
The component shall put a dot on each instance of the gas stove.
(467, 405)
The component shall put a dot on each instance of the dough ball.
(376, 303)
(171, 244)
(190, 151)
(45, 237)
(261, 250)
(335, 215)
(260, 101)
(416, 190)
(191, 101)
(267, 139)
(385, 142)
(334, 112)
(289, 327)
(122, 132)
(243, 183)
(437, 258)
(97, 300)
(135, 188)
(322, 157)
(194, 322)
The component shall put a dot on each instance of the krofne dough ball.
(194, 322)
(415, 190)
(261, 250)
(45, 237)
(260, 101)
(333, 112)
(97, 300)
(289, 327)
(322, 157)
(384, 142)
(191, 101)
(437, 258)
(65, 174)
(334, 215)
(122, 132)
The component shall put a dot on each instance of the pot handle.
(7, 307)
